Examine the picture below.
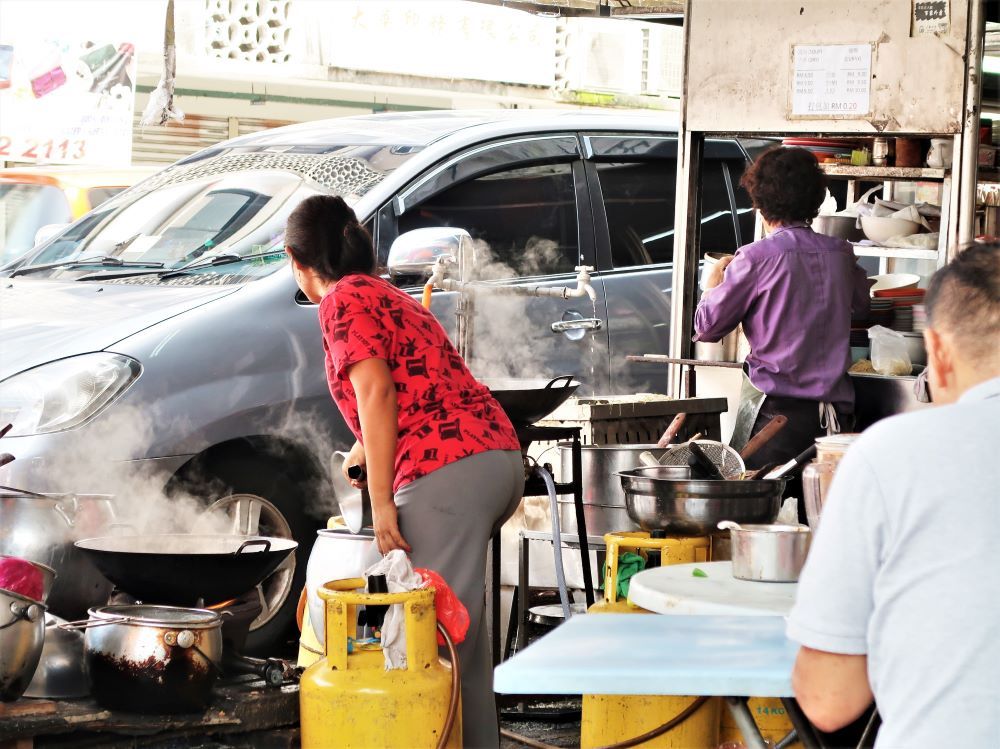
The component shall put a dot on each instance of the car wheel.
(261, 498)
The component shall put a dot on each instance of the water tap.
(583, 281)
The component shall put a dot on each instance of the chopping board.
(675, 590)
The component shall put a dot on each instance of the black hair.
(963, 298)
(323, 234)
(786, 185)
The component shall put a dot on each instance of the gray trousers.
(448, 518)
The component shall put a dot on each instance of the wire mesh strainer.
(726, 459)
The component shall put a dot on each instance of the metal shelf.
(911, 253)
(880, 173)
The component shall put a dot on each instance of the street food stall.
(887, 97)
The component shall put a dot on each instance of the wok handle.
(88, 623)
(568, 379)
(254, 542)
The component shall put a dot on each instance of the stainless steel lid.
(157, 616)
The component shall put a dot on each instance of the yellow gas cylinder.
(611, 718)
(348, 699)
(769, 715)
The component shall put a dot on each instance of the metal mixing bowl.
(62, 670)
(694, 508)
(22, 634)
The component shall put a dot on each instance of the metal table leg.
(581, 521)
(807, 734)
(522, 595)
(495, 598)
(740, 711)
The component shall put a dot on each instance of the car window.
(526, 217)
(24, 209)
(639, 203)
(744, 206)
(97, 195)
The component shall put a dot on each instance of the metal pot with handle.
(43, 527)
(152, 659)
(22, 635)
(770, 553)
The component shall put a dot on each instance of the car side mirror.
(46, 232)
(415, 252)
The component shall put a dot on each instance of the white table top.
(675, 590)
(660, 655)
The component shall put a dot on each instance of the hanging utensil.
(672, 431)
(725, 458)
(797, 462)
(764, 436)
(699, 461)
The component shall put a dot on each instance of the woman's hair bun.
(323, 233)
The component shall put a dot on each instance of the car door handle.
(587, 323)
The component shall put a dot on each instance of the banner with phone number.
(67, 102)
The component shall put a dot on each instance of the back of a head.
(324, 234)
(786, 185)
(963, 301)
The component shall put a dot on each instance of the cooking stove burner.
(237, 616)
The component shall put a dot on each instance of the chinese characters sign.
(831, 80)
(66, 103)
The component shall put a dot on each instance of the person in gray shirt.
(900, 597)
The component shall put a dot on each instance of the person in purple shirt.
(794, 292)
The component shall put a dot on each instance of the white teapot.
(940, 153)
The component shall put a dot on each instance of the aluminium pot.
(771, 553)
(43, 529)
(22, 635)
(336, 555)
(603, 499)
(152, 659)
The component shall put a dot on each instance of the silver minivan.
(160, 344)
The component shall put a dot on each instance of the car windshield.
(233, 205)
(24, 209)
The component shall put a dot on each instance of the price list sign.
(831, 80)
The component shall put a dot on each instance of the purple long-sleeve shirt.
(794, 291)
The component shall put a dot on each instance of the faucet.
(439, 280)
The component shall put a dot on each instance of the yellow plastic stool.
(348, 699)
(611, 718)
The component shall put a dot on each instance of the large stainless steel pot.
(22, 635)
(603, 499)
(336, 555)
(656, 501)
(153, 659)
(43, 529)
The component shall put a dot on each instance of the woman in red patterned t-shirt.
(442, 460)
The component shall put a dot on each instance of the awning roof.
(671, 11)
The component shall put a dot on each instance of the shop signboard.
(66, 102)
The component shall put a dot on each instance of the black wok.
(180, 569)
(528, 400)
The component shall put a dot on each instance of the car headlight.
(63, 394)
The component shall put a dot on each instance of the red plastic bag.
(24, 578)
(451, 612)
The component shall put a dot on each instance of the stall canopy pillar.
(687, 240)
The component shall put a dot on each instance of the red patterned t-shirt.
(444, 413)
